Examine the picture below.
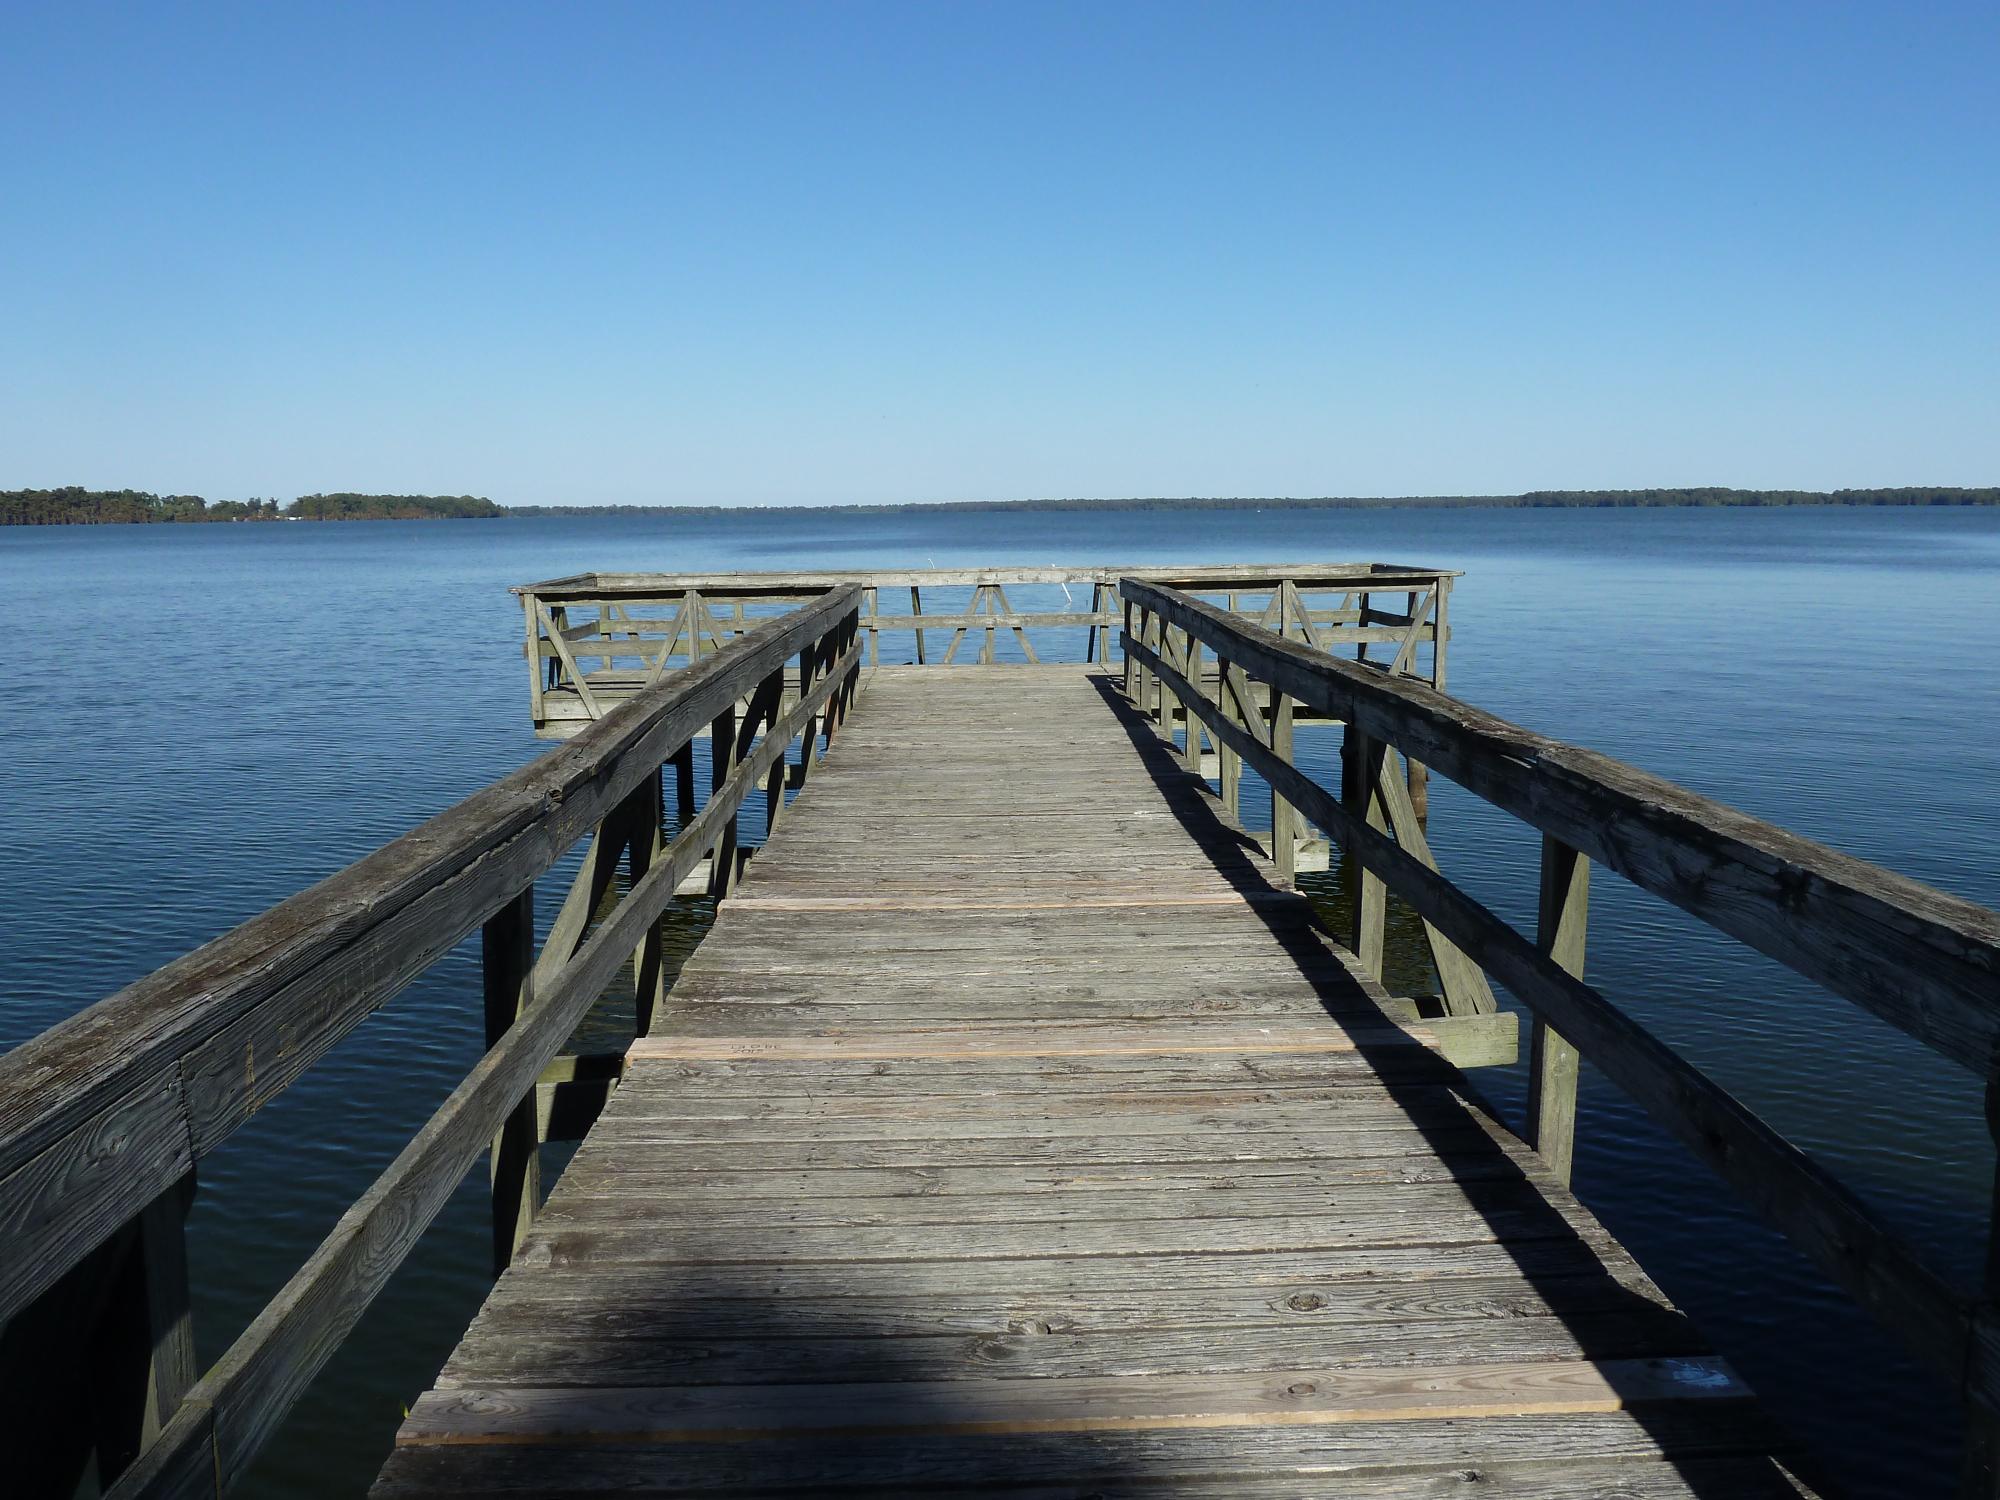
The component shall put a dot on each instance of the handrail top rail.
(1387, 576)
(58, 1081)
(1922, 959)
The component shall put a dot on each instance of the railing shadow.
(1530, 1216)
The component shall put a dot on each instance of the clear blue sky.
(786, 253)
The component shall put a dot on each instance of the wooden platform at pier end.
(1013, 1130)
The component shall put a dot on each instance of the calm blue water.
(202, 720)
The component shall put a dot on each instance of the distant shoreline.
(75, 506)
(1530, 500)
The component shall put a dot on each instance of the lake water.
(201, 720)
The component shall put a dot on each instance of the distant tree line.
(346, 507)
(1533, 499)
(73, 505)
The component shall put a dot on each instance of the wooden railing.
(1926, 962)
(105, 1118)
(595, 638)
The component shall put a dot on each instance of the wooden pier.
(1017, 1127)
(1013, 1126)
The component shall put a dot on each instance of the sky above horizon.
(803, 254)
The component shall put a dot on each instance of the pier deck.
(1016, 1128)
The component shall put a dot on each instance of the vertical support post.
(507, 957)
(646, 809)
(683, 763)
(917, 608)
(1284, 821)
(1440, 632)
(844, 637)
(874, 626)
(1133, 633)
(1350, 742)
(1191, 670)
(1979, 1466)
(94, 1366)
(170, 1363)
(1142, 696)
(1371, 897)
(534, 649)
(1552, 1062)
(774, 780)
(992, 624)
(721, 758)
(1229, 765)
(1417, 774)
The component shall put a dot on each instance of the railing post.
(1168, 706)
(1229, 765)
(683, 763)
(1191, 670)
(1148, 631)
(1131, 661)
(507, 957)
(1418, 777)
(917, 608)
(1979, 1466)
(1560, 929)
(145, 1342)
(98, 1362)
(774, 780)
(536, 674)
(646, 810)
(721, 757)
(1367, 806)
(1284, 821)
(845, 635)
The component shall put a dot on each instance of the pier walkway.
(1016, 1128)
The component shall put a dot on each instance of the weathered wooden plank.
(560, 1352)
(618, 1305)
(670, 1241)
(1137, 1140)
(1321, 1035)
(1276, 1398)
(1519, 1455)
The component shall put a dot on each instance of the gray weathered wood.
(507, 949)
(1561, 928)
